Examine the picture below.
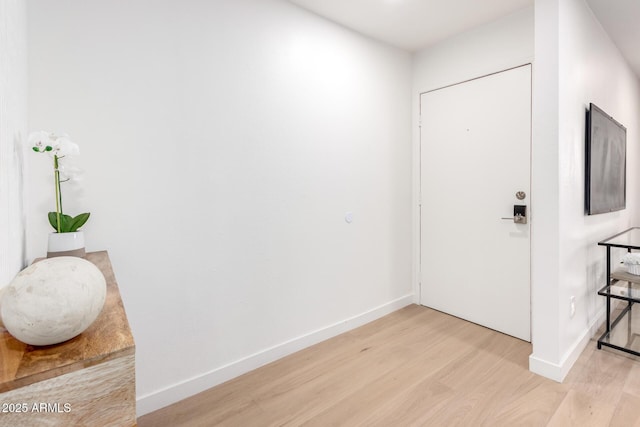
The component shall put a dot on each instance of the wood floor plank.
(632, 383)
(605, 377)
(483, 383)
(417, 367)
(627, 413)
(383, 393)
(533, 403)
(302, 367)
(580, 409)
(413, 407)
(372, 361)
(404, 348)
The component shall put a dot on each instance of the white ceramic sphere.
(53, 300)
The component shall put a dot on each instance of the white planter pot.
(66, 244)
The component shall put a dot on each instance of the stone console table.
(86, 381)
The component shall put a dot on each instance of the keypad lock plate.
(520, 214)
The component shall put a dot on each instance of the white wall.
(223, 143)
(13, 132)
(545, 193)
(590, 69)
(499, 45)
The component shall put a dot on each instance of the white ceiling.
(621, 19)
(415, 24)
(412, 24)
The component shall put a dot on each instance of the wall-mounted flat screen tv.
(606, 166)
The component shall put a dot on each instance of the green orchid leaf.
(53, 220)
(66, 220)
(78, 221)
(68, 224)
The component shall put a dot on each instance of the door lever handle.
(518, 219)
(519, 214)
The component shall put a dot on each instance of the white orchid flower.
(40, 140)
(63, 147)
(55, 144)
(70, 173)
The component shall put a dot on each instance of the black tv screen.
(606, 166)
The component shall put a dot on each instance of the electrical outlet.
(572, 306)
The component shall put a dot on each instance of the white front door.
(475, 143)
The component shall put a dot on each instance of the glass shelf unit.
(623, 286)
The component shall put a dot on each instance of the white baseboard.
(189, 387)
(558, 372)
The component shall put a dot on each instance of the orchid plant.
(59, 147)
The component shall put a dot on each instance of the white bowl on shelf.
(633, 269)
(631, 262)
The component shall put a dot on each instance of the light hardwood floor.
(417, 367)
